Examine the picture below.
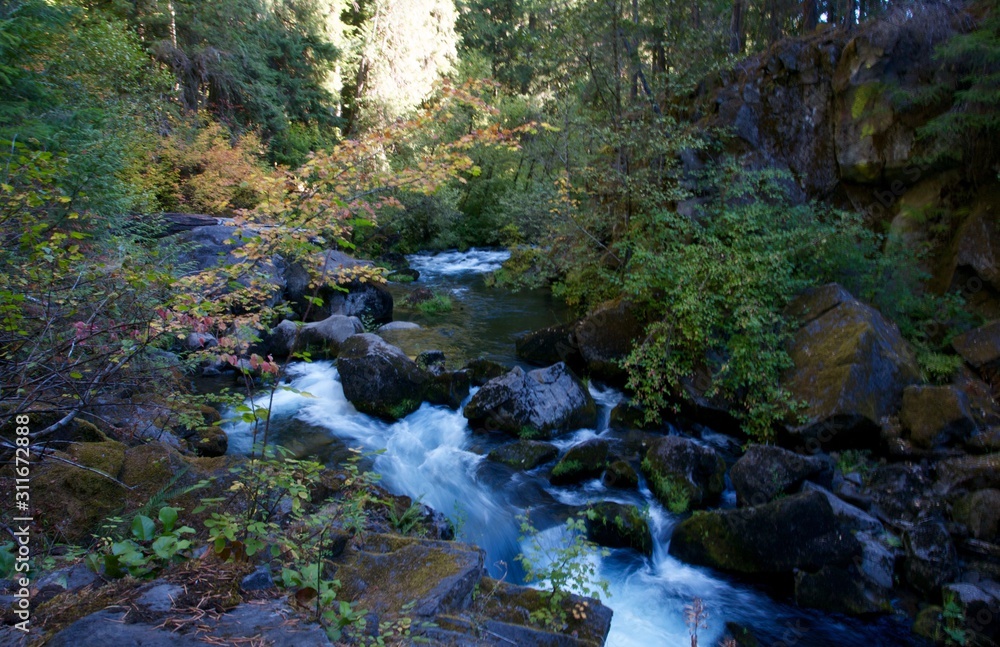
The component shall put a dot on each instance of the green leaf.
(165, 547)
(168, 517)
(143, 528)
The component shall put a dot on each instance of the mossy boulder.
(539, 404)
(764, 472)
(483, 370)
(618, 525)
(524, 454)
(448, 388)
(69, 503)
(379, 379)
(850, 368)
(979, 511)
(606, 336)
(684, 474)
(209, 441)
(620, 474)
(796, 532)
(387, 572)
(936, 415)
(837, 589)
(582, 461)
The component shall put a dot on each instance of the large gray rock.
(850, 368)
(540, 403)
(683, 474)
(379, 379)
(796, 532)
(340, 293)
(765, 472)
(936, 415)
(324, 337)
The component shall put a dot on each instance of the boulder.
(683, 474)
(617, 525)
(628, 415)
(979, 511)
(850, 517)
(621, 475)
(606, 336)
(540, 403)
(901, 492)
(765, 472)
(837, 589)
(387, 572)
(431, 360)
(524, 454)
(379, 379)
(582, 461)
(323, 337)
(449, 388)
(796, 532)
(483, 370)
(930, 557)
(979, 347)
(175, 223)
(550, 345)
(209, 442)
(200, 341)
(936, 415)
(850, 367)
(212, 246)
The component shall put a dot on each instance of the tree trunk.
(736, 28)
(810, 16)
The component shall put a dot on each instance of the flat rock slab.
(389, 572)
(267, 622)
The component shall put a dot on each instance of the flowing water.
(432, 454)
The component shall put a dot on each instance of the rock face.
(616, 525)
(765, 472)
(936, 415)
(796, 532)
(363, 300)
(541, 403)
(684, 474)
(970, 472)
(850, 367)
(606, 336)
(379, 379)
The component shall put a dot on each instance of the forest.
(773, 223)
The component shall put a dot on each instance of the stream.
(433, 455)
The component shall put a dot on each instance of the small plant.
(436, 305)
(143, 554)
(567, 467)
(410, 518)
(953, 621)
(564, 570)
(695, 617)
(854, 460)
(670, 491)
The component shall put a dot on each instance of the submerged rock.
(537, 404)
(851, 366)
(379, 379)
(683, 474)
